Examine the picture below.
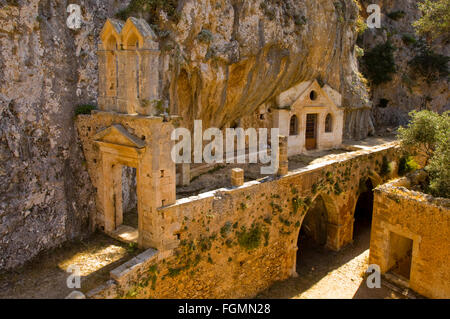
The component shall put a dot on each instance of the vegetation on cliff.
(435, 21)
(429, 64)
(379, 63)
(151, 9)
(428, 134)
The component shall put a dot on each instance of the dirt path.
(46, 276)
(333, 275)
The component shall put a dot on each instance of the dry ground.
(46, 276)
(325, 274)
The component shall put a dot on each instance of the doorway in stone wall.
(125, 202)
(363, 212)
(311, 132)
(400, 255)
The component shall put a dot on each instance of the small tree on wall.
(428, 134)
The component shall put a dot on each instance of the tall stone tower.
(129, 68)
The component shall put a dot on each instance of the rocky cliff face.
(407, 90)
(221, 61)
(224, 59)
(46, 70)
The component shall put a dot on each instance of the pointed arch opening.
(363, 211)
(132, 41)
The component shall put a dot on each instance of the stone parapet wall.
(234, 243)
(422, 219)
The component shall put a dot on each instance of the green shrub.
(396, 15)
(300, 20)
(408, 39)
(423, 134)
(205, 36)
(406, 165)
(151, 8)
(435, 20)
(250, 239)
(359, 51)
(430, 65)
(439, 170)
(428, 134)
(379, 63)
(84, 109)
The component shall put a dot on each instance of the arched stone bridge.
(234, 243)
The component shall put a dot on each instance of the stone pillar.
(108, 203)
(237, 177)
(122, 70)
(283, 167)
(132, 79)
(149, 80)
(185, 174)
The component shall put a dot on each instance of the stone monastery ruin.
(224, 149)
(229, 242)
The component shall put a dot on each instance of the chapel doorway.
(311, 132)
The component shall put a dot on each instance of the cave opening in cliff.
(312, 236)
(363, 210)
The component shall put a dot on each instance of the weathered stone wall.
(233, 243)
(155, 171)
(418, 217)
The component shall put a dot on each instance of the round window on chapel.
(313, 95)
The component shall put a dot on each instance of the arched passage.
(314, 224)
(363, 210)
(312, 236)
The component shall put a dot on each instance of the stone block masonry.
(234, 243)
(237, 177)
(410, 238)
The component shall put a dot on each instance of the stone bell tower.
(128, 67)
(127, 132)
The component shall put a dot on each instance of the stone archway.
(315, 222)
(119, 149)
(318, 229)
(362, 216)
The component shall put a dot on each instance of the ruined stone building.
(132, 129)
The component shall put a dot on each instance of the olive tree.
(428, 134)
(435, 20)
